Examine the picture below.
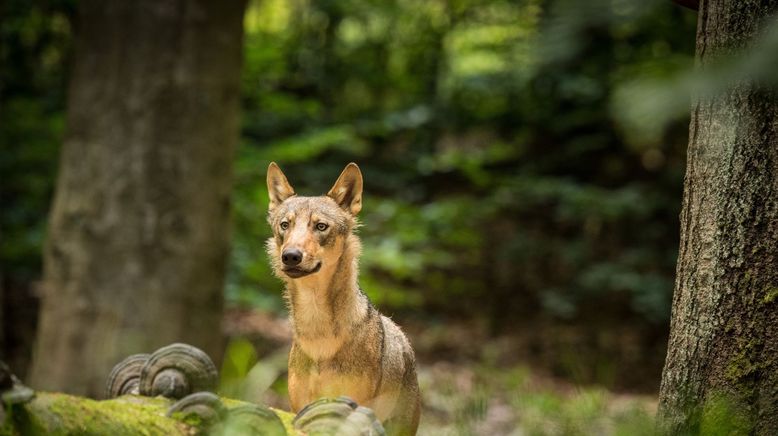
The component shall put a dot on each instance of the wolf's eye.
(284, 225)
(321, 227)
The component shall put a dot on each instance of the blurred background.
(523, 165)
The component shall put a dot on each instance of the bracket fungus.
(176, 371)
(340, 415)
(125, 376)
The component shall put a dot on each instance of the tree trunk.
(138, 232)
(722, 362)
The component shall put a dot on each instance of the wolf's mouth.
(295, 272)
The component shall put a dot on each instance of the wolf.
(341, 344)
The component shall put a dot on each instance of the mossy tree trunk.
(138, 232)
(723, 351)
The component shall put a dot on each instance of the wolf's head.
(311, 233)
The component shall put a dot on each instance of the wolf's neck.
(324, 306)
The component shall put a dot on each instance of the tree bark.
(722, 361)
(138, 232)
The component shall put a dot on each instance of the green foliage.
(34, 48)
(246, 377)
(519, 156)
(504, 171)
(239, 357)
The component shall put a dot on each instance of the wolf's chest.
(320, 348)
(309, 384)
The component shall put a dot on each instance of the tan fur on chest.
(306, 386)
(321, 348)
(320, 329)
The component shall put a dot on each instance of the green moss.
(742, 364)
(60, 414)
(746, 361)
(190, 419)
(230, 403)
(6, 429)
(24, 422)
(286, 419)
(746, 278)
(726, 416)
(771, 294)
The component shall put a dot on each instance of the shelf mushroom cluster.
(186, 374)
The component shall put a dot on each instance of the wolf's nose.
(292, 257)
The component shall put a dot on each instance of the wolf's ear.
(347, 191)
(278, 188)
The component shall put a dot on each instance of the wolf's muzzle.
(296, 273)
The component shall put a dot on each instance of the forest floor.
(468, 385)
